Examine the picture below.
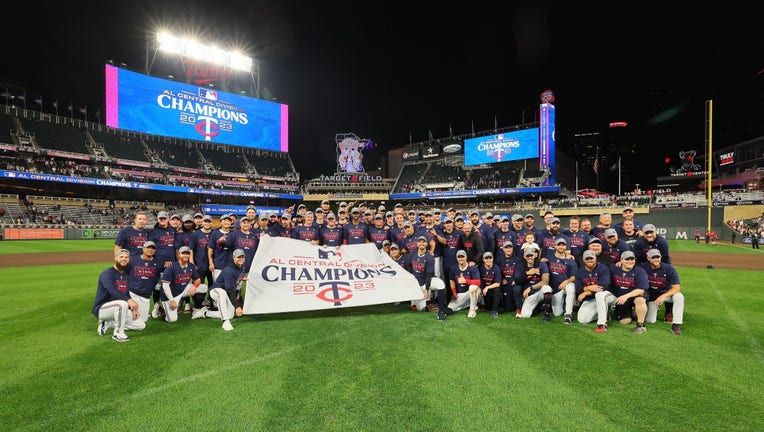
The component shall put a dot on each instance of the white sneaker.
(227, 325)
(199, 313)
(155, 311)
(187, 308)
(472, 314)
(120, 337)
(102, 327)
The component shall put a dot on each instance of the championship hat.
(488, 255)
(421, 238)
(394, 246)
(560, 241)
(175, 216)
(325, 201)
(508, 244)
(652, 253)
(187, 218)
(184, 249)
(461, 253)
(595, 240)
(589, 254)
(238, 252)
(121, 252)
(517, 217)
(488, 214)
(355, 210)
(627, 254)
(163, 215)
(207, 218)
(150, 244)
(385, 243)
(648, 228)
(611, 232)
(627, 209)
(554, 219)
(331, 215)
(530, 215)
(198, 215)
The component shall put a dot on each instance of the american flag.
(596, 166)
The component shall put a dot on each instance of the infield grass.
(377, 368)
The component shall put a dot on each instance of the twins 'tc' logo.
(334, 291)
(207, 127)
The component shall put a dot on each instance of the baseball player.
(422, 266)
(330, 235)
(132, 237)
(217, 247)
(651, 240)
(179, 280)
(112, 305)
(163, 236)
(533, 277)
(224, 292)
(143, 277)
(508, 262)
(562, 279)
(491, 279)
(664, 289)
(592, 278)
(355, 231)
(628, 289)
(465, 286)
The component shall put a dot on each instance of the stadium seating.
(54, 136)
(119, 145)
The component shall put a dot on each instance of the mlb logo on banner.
(208, 94)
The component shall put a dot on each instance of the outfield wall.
(679, 223)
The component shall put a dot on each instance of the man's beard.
(122, 268)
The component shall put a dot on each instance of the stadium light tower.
(203, 63)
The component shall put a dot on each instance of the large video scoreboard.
(162, 107)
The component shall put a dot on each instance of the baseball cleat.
(568, 319)
(227, 325)
(199, 313)
(102, 327)
(120, 337)
(676, 329)
(639, 329)
(601, 328)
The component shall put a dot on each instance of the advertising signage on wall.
(410, 155)
(503, 147)
(726, 158)
(156, 106)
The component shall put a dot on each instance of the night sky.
(394, 70)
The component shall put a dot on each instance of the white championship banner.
(289, 275)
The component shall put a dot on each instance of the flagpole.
(576, 180)
(619, 175)
(597, 169)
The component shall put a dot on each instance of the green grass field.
(377, 368)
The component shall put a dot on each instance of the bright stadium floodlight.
(197, 50)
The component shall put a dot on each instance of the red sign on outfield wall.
(34, 233)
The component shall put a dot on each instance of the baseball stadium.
(203, 148)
